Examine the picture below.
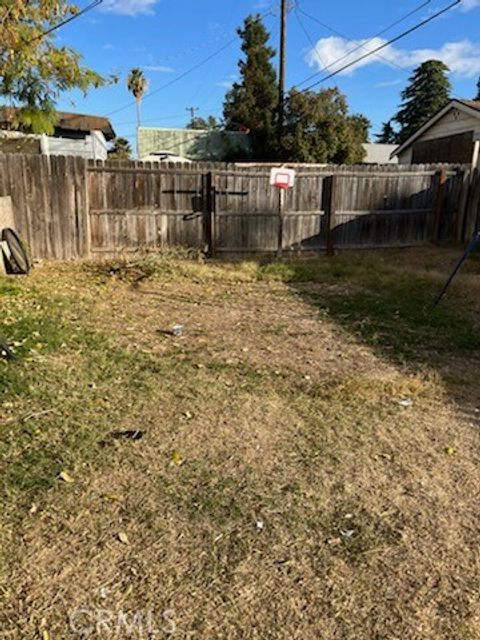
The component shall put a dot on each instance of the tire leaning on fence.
(16, 257)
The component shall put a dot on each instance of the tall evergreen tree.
(388, 134)
(319, 128)
(428, 91)
(251, 104)
(477, 97)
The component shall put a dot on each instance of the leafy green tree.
(137, 84)
(251, 103)
(120, 150)
(33, 70)
(361, 125)
(428, 91)
(319, 128)
(387, 135)
(209, 123)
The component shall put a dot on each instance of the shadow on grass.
(386, 302)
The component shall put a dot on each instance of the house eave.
(458, 104)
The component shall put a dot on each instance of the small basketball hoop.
(282, 178)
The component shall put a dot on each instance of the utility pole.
(283, 64)
(192, 111)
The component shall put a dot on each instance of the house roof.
(475, 104)
(68, 122)
(471, 107)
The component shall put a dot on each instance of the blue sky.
(166, 38)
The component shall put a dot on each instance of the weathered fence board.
(374, 207)
(50, 203)
(68, 207)
(136, 204)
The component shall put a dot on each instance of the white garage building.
(452, 135)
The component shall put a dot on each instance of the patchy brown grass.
(309, 466)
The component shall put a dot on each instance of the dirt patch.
(294, 479)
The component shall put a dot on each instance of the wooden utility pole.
(282, 70)
(192, 111)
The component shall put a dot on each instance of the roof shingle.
(69, 122)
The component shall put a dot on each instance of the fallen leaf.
(122, 536)
(112, 497)
(66, 477)
(177, 458)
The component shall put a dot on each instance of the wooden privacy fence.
(50, 202)
(340, 207)
(67, 207)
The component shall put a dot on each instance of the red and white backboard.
(282, 178)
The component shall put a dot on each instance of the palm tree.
(137, 85)
(120, 150)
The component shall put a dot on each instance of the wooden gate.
(247, 212)
(133, 205)
(344, 207)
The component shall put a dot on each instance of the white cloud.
(388, 83)
(228, 82)
(470, 4)
(159, 68)
(462, 57)
(129, 7)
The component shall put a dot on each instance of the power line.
(379, 48)
(307, 34)
(177, 116)
(178, 78)
(377, 35)
(213, 110)
(362, 45)
(74, 16)
(185, 73)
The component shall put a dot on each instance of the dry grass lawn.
(309, 459)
